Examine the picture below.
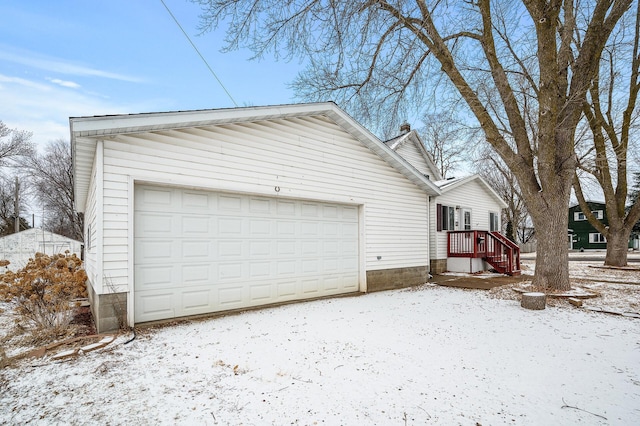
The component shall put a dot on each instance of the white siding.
(410, 152)
(91, 230)
(307, 158)
(472, 196)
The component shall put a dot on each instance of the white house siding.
(307, 158)
(471, 195)
(412, 154)
(91, 231)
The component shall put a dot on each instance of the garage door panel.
(197, 201)
(195, 274)
(286, 248)
(155, 276)
(285, 208)
(196, 301)
(260, 205)
(230, 271)
(349, 264)
(350, 213)
(260, 248)
(260, 270)
(349, 248)
(155, 306)
(198, 252)
(158, 197)
(309, 210)
(262, 293)
(349, 231)
(285, 268)
(230, 203)
(155, 224)
(190, 225)
(231, 297)
(195, 250)
(230, 227)
(286, 290)
(155, 250)
(229, 249)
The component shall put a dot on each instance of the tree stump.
(535, 301)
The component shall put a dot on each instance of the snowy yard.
(430, 355)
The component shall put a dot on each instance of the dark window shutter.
(439, 216)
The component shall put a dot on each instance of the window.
(466, 219)
(597, 238)
(446, 217)
(493, 221)
(599, 214)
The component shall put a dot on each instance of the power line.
(198, 52)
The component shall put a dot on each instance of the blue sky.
(69, 58)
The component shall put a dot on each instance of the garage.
(199, 252)
(195, 212)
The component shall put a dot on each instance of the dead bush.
(44, 291)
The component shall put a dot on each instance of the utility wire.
(199, 54)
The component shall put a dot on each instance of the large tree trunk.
(617, 247)
(552, 253)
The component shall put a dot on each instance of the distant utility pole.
(16, 206)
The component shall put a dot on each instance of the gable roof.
(447, 185)
(589, 203)
(86, 131)
(412, 137)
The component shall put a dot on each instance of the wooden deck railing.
(493, 247)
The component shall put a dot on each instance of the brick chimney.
(405, 128)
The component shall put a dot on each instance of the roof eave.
(86, 131)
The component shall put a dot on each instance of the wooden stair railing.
(494, 248)
(503, 254)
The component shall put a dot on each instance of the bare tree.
(447, 140)
(7, 207)
(379, 57)
(610, 111)
(13, 144)
(51, 176)
(504, 182)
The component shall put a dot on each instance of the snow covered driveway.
(433, 355)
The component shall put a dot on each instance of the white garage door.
(198, 252)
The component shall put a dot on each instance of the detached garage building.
(195, 212)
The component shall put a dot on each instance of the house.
(18, 248)
(195, 212)
(465, 217)
(583, 235)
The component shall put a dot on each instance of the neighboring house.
(203, 211)
(582, 235)
(18, 248)
(465, 217)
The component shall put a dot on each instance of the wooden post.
(535, 301)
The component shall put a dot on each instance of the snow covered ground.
(429, 355)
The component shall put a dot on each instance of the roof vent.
(405, 128)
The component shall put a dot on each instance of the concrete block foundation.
(109, 310)
(438, 266)
(389, 279)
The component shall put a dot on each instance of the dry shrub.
(44, 291)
